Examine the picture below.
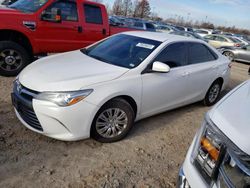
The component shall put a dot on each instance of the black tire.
(116, 103)
(13, 58)
(230, 55)
(208, 100)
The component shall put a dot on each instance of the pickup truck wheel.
(13, 58)
(213, 94)
(113, 121)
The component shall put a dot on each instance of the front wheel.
(113, 121)
(13, 58)
(213, 94)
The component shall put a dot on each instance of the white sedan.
(100, 91)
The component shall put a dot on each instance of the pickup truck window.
(68, 9)
(28, 5)
(93, 14)
(123, 50)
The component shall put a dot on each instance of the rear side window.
(199, 53)
(174, 55)
(93, 14)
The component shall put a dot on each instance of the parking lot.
(149, 157)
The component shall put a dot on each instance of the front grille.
(22, 100)
(29, 116)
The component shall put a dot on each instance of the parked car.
(241, 40)
(203, 32)
(188, 34)
(220, 153)
(7, 2)
(165, 28)
(180, 28)
(237, 54)
(219, 41)
(143, 25)
(33, 27)
(101, 90)
(115, 21)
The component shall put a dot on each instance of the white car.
(101, 90)
(219, 156)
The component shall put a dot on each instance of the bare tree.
(142, 9)
(117, 7)
(127, 7)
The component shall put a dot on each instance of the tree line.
(142, 9)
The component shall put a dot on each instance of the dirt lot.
(149, 157)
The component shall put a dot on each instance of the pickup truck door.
(60, 37)
(95, 22)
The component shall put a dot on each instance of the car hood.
(232, 116)
(68, 72)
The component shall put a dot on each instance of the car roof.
(162, 37)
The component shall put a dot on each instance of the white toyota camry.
(100, 91)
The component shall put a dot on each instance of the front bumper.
(63, 123)
(182, 180)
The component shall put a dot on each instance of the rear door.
(202, 69)
(95, 22)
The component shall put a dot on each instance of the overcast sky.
(219, 12)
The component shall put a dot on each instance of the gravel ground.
(149, 157)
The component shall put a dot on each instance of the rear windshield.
(123, 50)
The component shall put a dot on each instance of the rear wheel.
(113, 121)
(230, 55)
(213, 93)
(13, 58)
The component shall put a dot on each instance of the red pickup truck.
(32, 27)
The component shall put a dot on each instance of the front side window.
(248, 47)
(68, 10)
(123, 50)
(199, 53)
(174, 55)
(93, 14)
(28, 5)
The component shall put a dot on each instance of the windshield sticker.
(143, 45)
(132, 65)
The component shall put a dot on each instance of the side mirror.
(244, 48)
(160, 67)
(54, 15)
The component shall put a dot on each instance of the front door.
(164, 91)
(60, 37)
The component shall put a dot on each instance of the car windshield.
(123, 50)
(28, 5)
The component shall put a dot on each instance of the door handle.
(78, 29)
(104, 31)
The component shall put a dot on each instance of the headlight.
(64, 98)
(208, 151)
